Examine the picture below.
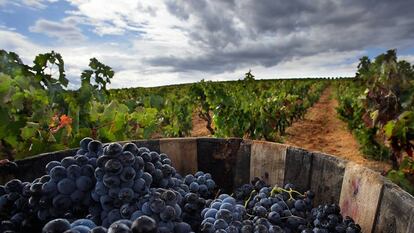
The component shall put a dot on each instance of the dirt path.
(321, 130)
(199, 127)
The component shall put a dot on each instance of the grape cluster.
(67, 191)
(327, 218)
(201, 183)
(281, 208)
(14, 201)
(143, 224)
(243, 192)
(192, 205)
(77, 226)
(63, 192)
(274, 210)
(163, 206)
(121, 181)
(125, 189)
(159, 167)
(223, 215)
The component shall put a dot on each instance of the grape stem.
(250, 197)
(290, 191)
(217, 194)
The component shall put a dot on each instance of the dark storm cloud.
(236, 33)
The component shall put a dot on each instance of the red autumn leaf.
(65, 120)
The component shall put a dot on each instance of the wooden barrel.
(373, 201)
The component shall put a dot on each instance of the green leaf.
(17, 100)
(388, 129)
(12, 140)
(29, 131)
(51, 138)
(374, 116)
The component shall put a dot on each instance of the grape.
(201, 180)
(49, 187)
(146, 209)
(113, 149)
(127, 210)
(166, 161)
(43, 214)
(146, 156)
(94, 146)
(136, 214)
(147, 177)
(43, 179)
(189, 179)
(128, 174)
(138, 163)
(101, 161)
(157, 205)
(56, 226)
(227, 206)
(144, 224)
(127, 158)
(126, 194)
(131, 147)
(84, 183)
(149, 167)
(81, 229)
(220, 224)
(73, 171)
(62, 202)
(114, 215)
(139, 185)
(77, 196)
(113, 166)
(274, 217)
(51, 165)
(101, 189)
(300, 205)
(84, 143)
(82, 160)
(194, 187)
(211, 213)
(13, 186)
(58, 173)
(66, 186)
(111, 181)
(168, 214)
(88, 170)
(99, 229)
(182, 227)
(99, 173)
(118, 227)
(66, 162)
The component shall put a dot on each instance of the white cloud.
(408, 58)
(20, 44)
(34, 4)
(3, 27)
(66, 30)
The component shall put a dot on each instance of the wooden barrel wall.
(373, 201)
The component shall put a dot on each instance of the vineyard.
(139, 190)
(378, 107)
(41, 115)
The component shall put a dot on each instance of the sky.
(161, 42)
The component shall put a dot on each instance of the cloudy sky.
(159, 42)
